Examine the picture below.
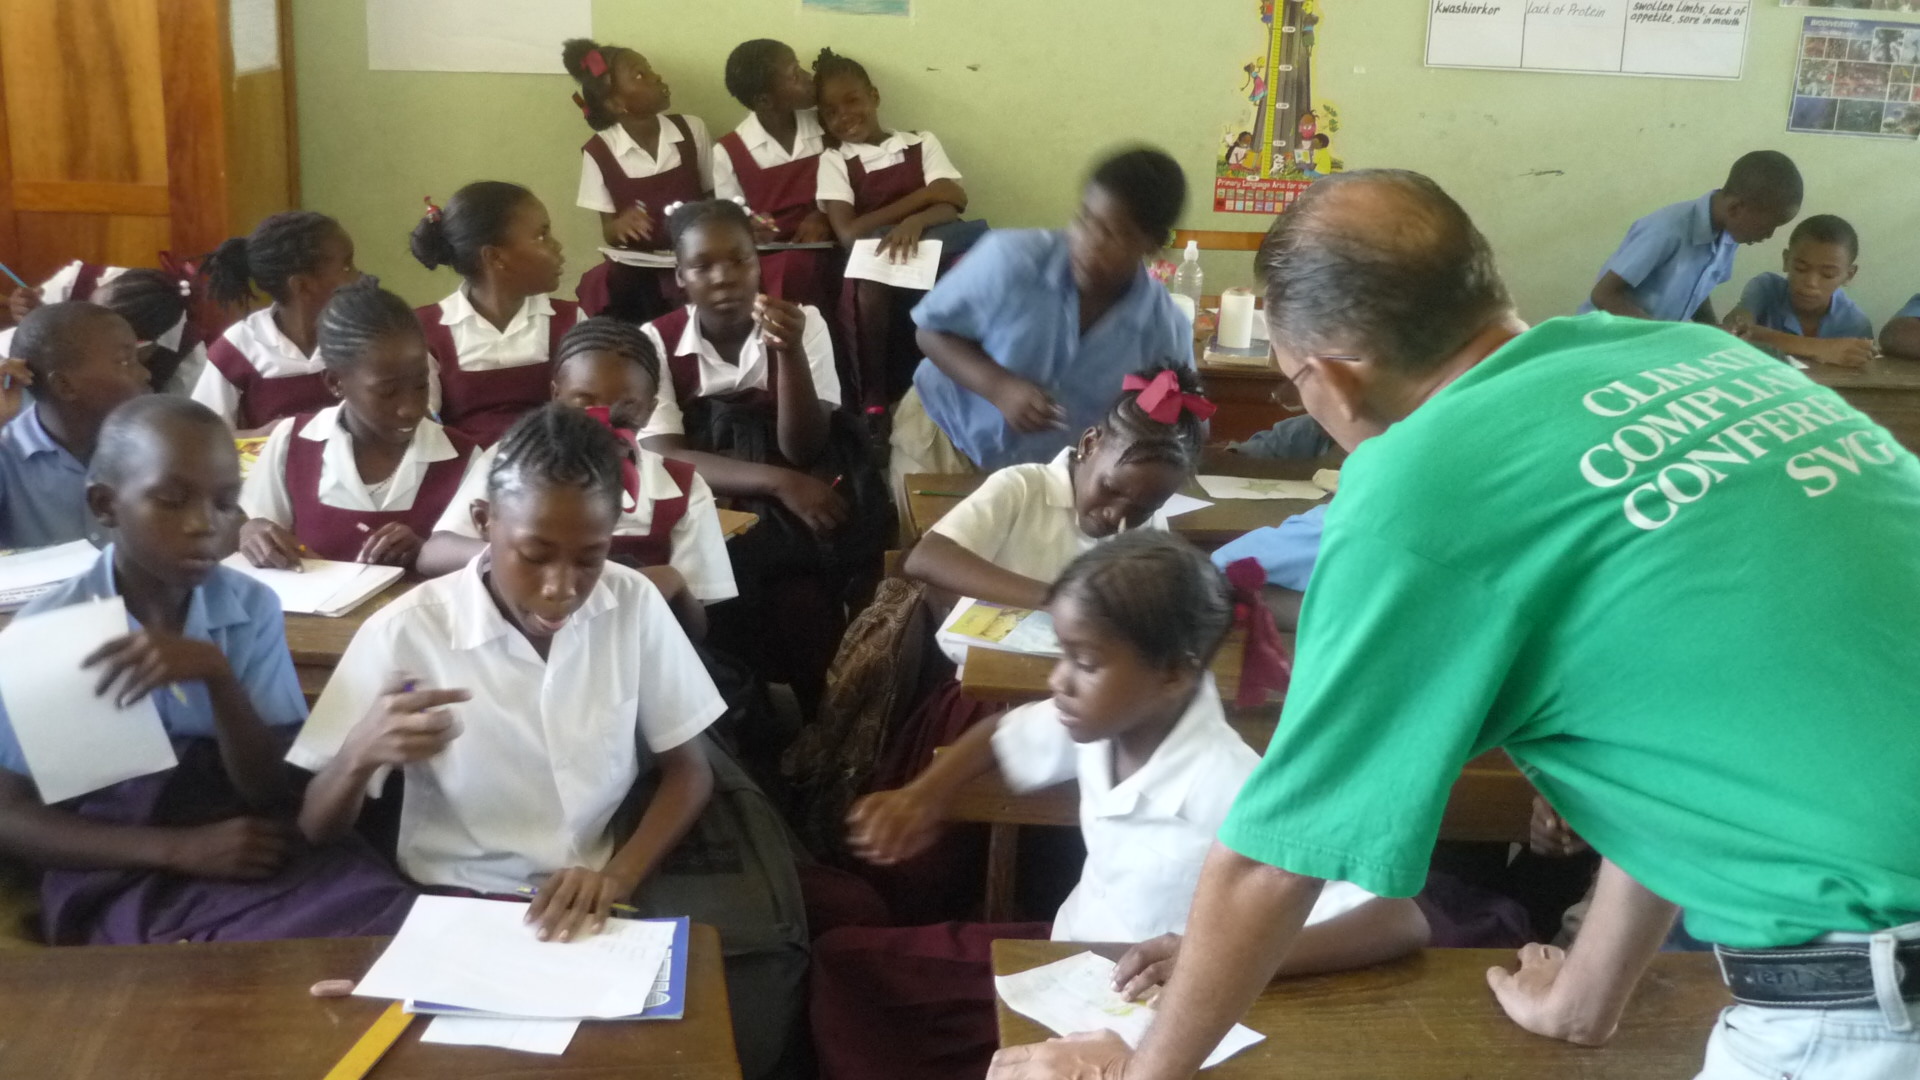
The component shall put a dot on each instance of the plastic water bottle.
(1187, 288)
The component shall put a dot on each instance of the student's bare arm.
(444, 552)
(1579, 995)
(687, 608)
(1612, 293)
(1842, 352)
(1901, 337)
(888, 827)
(1379, 930)
(936, 203)
(43, 836)
(248, 752)
(946, 565)
(402, 727)
(686, 784)
(725, 475)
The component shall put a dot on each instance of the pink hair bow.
(629, 462)
(595, 64)
(1264, 666)
(1162, 400)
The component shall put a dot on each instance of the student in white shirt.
(1136, 719)
(264, 367)
(669, 523)
(1009, 539)
(363, 480)
(155, 304)
(772, 163)
(493, 340)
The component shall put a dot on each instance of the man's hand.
(1090, 1055)
(1527, 995)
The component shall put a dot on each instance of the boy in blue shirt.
(1805, 312)
(1901, 336)
(84, 361)
(1027, 338)
(1673, 259)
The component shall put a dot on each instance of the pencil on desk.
(941, 494)
(530, 892)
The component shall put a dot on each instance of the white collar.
(656, 483)
(459, 308)
(896, 142)
(262, 329)
(806, 127)
(1162, 783)
(690, 337)
(620, 142)
(1058, 475)
(477, 620)
(430, 442)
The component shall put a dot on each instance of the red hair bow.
(629, 462)
(1162, 400)
(1265, 667)
(594, 63)
(433, 212)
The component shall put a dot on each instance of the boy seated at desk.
(1672, 259)
(1805, 312)
(1901, 336)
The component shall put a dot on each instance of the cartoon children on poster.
(1282, 140)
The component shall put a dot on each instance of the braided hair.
(477, 217)
(1154, 591)
(357, 317)
(605, 334)
(557, 446)
(749, 73)
(283, 245)
(1145, 440)
(594, 89)
(833, 65)
(688, 216)
(152, 303)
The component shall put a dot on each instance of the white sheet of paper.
(75, 741)
(473, 35)
(866, 262)
(656, 259)
(321, 587)
(1327, 480)
(28, 574)
(1246, 487)
(532, 1036)
(1076, 994)
(481, 954)
(1178, 504)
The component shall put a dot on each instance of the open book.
(320, 586)
(979, 624)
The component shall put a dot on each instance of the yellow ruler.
(366, 1053)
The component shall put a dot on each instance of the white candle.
(1236, 319)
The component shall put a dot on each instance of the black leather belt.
(1814, 976)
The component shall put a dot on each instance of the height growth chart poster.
(1283, 139)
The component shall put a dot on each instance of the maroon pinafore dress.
(641, 293)
(787, 194)
(656, 547)
(482, 405)
(336, 533)
(879, 329)
(264, 400)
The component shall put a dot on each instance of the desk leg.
(1003, 855)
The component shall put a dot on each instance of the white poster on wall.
(1694, 39)
(473, 35)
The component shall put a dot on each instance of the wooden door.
(124, 130)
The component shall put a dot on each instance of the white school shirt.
(265, 495)
(1022, 519)
(809, 138)
(835, 186)
(699, 548)
(1147, 836)
(270, 352)
(719, 377)
(482, 346)
(637, 163)
(57, 288)
(546, 750)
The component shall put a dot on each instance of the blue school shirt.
(1673, 258)
(1286, 551)
(233, 611)
(43, 488)
(1769, 301)
(1014, 294)
(1911, 311)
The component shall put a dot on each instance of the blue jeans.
(1751, 1042)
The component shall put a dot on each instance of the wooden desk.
(317, 642)
(931, 495)
(161, 1012)
(1887, 389)
(993, 675)
(1430, 1016)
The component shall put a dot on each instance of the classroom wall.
(1025, 94)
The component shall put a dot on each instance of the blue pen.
(5, 269)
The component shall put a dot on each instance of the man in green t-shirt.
(1674, 578)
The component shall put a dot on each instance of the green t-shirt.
(1675, 579)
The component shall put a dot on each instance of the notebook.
(979, 624)
(668, 1001)
(320, 586)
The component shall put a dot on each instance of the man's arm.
(1578, 995)
(1612, 293)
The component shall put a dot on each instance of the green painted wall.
(1025, 93)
